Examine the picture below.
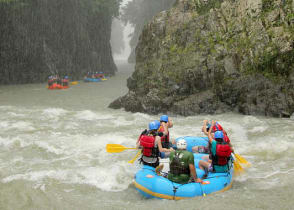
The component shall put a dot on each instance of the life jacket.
(164, 139)
(176, 167)
(65, 82)
(223, 154)
(217, 127)
(148, 144)
(226, 138)
(50, 82)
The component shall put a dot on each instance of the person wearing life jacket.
(182, 164)
(50, 81)
(165, 124)
(203, 149)
(205, 129)
(150, 143)
(65, 81)
(220, 154)
(218, 127)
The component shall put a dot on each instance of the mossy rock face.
(239, 53)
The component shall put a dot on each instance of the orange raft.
(57, 86)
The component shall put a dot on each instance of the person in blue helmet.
(203, 149)
(150, 143)
(165, 124)
(220, 153)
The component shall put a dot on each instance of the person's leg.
(205, 157)
(195, 149)
(203, 165)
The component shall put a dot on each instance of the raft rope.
(175, 189)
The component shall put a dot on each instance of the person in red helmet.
(220, 153)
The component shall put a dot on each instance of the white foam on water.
(90, 115)
(6, 107)
(141, 116)
(114, 177)
(248, 120)
(53, 112)
(37, 176)
(4, 124)
(258, 129)
(22, 126)
(111, 178)
(13, 114)
(271, 146)
(49, 148)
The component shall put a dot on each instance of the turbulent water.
(52, 152)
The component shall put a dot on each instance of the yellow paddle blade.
(242, 160)
(135, 158)
(116, 148)
(238, 168)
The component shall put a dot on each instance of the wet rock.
(237, 56)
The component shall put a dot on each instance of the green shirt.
(185, 158)
(217, 168)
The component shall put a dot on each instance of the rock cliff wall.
(39, 38)
(215, 56)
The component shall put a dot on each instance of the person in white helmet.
(182, 164)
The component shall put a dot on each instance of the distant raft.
(92, 79)
(74, 83)
(150, 185)
(57, 87)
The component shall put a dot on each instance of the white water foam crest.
(53, 112)
(49, 148)
(13, 142)
(4, 124)
(22, 126)
(111, 178)
(90, 115)
(271, 146)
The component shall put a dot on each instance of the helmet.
(208, 127)
(217, 127)
(100, 72)
(164, 118)
(153, 125)
(157, 123)
(181, 144)
(218, 135)
(66, 77)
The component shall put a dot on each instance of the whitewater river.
(52, 152)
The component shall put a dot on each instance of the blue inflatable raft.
(150, 185)
(92, 80)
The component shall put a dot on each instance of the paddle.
(116, 148)
(135, 158)
(238, 169)
(242, 160)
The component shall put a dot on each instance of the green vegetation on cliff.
(213, 56)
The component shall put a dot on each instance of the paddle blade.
(238, 168)
(135, 158)
(242, 160)
(116, 148)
